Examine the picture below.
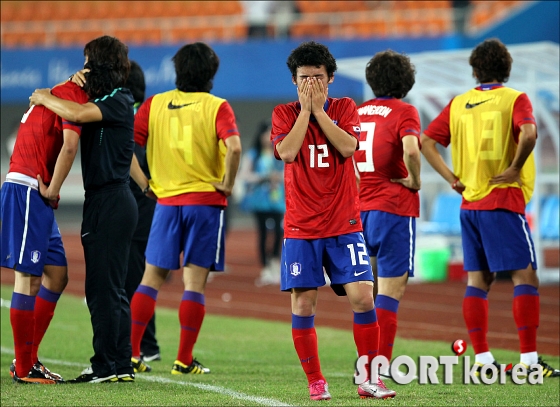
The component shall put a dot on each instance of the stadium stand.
(44, 23)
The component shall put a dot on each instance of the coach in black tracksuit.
(110, 212)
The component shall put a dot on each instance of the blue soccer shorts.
(497, 240)
(195, 230)
(344, 258)
(392, 240)
(30, 235)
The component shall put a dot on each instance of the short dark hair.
(109, 65)
(311, 53)
(195, 66)
(491, 61)
(389, 73)
(136, 82)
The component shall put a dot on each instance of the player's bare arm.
(289, 147)
(435, 159)
(233, 157)
(411, 158)
(527, 141)
(62, 168)
(344, 143)
(72, 111)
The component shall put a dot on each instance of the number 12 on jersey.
(367, 147)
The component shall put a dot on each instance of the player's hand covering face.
(312, 84)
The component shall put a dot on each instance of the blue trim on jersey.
(303, 322)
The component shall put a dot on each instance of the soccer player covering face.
(193, 149)
(388, 163)
(32, 245)
(492, 133)
(316, 137)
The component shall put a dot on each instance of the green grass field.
(253, 362)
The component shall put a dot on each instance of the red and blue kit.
(321, 193)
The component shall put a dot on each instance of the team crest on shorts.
(35, 256)
(295, 269)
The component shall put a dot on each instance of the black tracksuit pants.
(109, 220)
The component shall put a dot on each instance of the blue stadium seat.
(549, 218)
(444, 217)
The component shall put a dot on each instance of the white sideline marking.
(5, 303)
(154, 378)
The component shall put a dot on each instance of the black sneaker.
(88, 376)
(34, 376)
(548, 371)
(194, 368)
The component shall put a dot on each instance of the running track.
(429, 311)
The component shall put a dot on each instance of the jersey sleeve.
(438, 129)
(141, 121)
(70, 91)
(281, 126)
(410, 124)
(522, 114)
(225, 122)
(349, 120)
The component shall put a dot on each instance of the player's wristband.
(146, 190)
(454, 184)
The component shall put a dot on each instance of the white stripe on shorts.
(219, 245)
(411, 243)
(27, 199)
(524, 226)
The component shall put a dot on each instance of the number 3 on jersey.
(367, 147)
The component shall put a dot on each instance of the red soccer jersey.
(504, 198)
(39, 137)
(384, 122)
(321, 194)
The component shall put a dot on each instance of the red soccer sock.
(191, 315)
(45, 303)
(366, 335)
(475, 313)
(386, 308)
(142, 308)
(23, 323)
(526, 310)
(305, 342)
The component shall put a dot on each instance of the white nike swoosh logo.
(85, 234)
(360, 273)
